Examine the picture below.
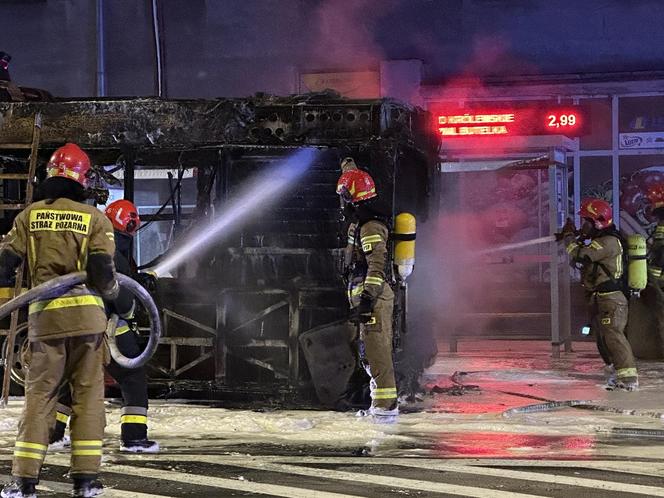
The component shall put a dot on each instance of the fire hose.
(60, 285)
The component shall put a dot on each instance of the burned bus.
(259, 312)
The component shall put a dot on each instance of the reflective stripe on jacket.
(56, 237)
(370, 250)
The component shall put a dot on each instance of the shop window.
(599, 131)
(595, 178)
(637, 175)
(641, 122)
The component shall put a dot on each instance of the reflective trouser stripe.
(626, 372)
(86, 447)
(65, 302)
(32, 446)
(62, 417)
(24, 454)
(87, 442)
(134, 419)
(384, 393)
(35, 451)
(86, 452)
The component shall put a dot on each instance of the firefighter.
(57, 236)
(133, 382)
(601, 263)
(370, 295)
(655, 198)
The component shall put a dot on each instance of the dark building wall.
(238, 47)
(52, 43)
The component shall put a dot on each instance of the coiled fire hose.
(60, 285)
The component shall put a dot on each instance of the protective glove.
(569, 229)
(362, 313)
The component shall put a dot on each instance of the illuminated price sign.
(570, 121)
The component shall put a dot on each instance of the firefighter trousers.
(79, 361)
(133, 386)
(377, 338)
(609, 313)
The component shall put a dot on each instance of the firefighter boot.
(628, 384)
(87, 487)
(20, 487)
(140, 446)
(384, 415)
(134, 432)
(611, 379)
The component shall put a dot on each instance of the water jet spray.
(262, 191)
(518, 245)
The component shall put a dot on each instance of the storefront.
(616, 122)
(612, 134)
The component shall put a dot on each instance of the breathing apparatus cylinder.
(637, 267)
(404, 247)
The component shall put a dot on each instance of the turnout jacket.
(601, 260)
(656, 256)
(57, 237)
(367, 247)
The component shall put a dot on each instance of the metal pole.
(101, 51)
(565, 292)
(159, 66)
(615, 162)
(129, 175)
(553, 264)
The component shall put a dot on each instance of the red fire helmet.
(356, 185)
(597, 210)
(124, 216)
(655, 195)
(69, 161)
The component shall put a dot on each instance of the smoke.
(347, 33)
(345, 41)
(261, 192)
(481, 259)
(494, 55)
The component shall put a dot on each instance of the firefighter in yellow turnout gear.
(601, 263)
(370, 295)
(655, 196)
(57, 236)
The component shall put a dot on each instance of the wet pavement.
(466, 439)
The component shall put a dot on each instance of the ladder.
(29, 177)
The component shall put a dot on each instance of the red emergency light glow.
(571, 121)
